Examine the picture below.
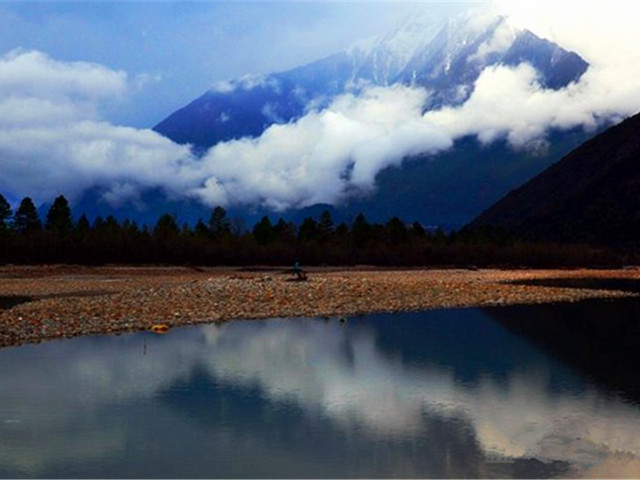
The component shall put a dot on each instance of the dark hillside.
(590, 195)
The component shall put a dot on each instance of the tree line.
(26, 239)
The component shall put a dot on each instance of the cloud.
(331, 154)
(498, 43)
(223, 86)
(337, 374)
(508, 102)
(33, 74)
(323, 155)
(246, 82)
(603, 34)
(53, 139)
(43, 161)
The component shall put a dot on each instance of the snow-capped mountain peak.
(380, 59)
(445, 59)
(448, 58)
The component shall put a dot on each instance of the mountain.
(452, 62)
(590, 195)
(447, 61)
(446, 189)
(450, 188)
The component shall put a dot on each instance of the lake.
(502, 392)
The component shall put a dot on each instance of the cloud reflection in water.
(101, 401)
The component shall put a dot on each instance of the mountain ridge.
(446, 60)
(447, 63)
(590, 195)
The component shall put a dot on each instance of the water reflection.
(436, 394)
(598, 337)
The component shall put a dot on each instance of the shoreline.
(68, 301)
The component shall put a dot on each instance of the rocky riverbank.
(46, 302)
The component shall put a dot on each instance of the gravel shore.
(66, 301)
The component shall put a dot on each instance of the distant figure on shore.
(298, 272)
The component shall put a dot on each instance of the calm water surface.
(455, 393)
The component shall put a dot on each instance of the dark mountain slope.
(248, 106)
(446, 189)
(556, 66)
(591, 195)
(450, 188)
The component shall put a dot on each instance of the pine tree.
(308, 230)
(418, 230)
(219, 224)
(325, 225)
(130, 228)
(59, 220)
(341, 231)
(5, 213)
(201, 230)
(166, 228)
(361, 231)
(26, 219)
(263, 232)
(396, 231)
(285, 232)
(83, 227)
(112, 226)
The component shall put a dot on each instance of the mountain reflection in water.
(448, 393)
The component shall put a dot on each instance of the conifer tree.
(418, 230)
(325, 225)
(166, 228)
(26, 219)
(111, 226)
(397, 231)
(285, 232)
(308, 230)
(263, 232)
(83, 227)
(5, 213)
(130, 227)
(219, 224)
(361, 231)
(59, 220)
(201, 230)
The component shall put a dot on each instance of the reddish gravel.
(70, 301)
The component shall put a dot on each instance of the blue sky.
(81, 83)
(181, 48)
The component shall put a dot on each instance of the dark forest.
(25, 238)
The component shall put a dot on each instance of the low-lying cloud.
(323, 156)
(509, 102)
(330, 154)
(53, 139)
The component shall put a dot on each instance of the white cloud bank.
(324, 155)
(53, 141)
(328, 154)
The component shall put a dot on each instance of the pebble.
(114, 300)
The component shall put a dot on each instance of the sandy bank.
(70, 301)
